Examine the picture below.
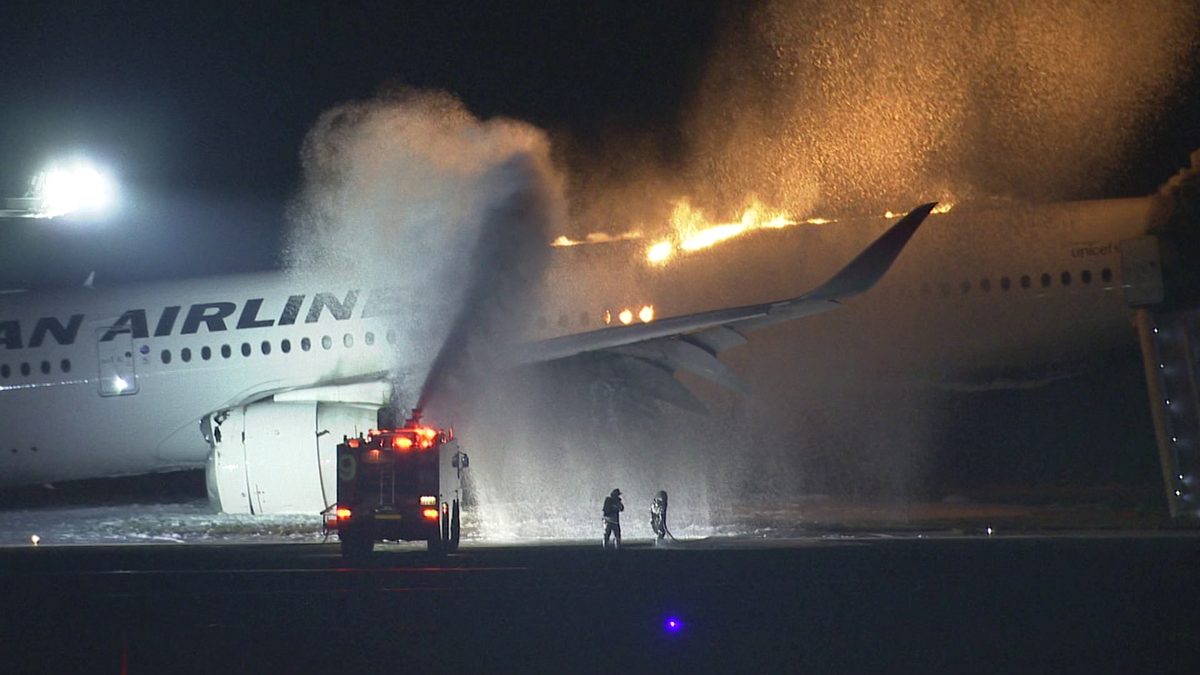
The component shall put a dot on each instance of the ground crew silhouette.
(612, 518)
(658, 516)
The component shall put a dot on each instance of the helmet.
(616, 492)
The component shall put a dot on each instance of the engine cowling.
(279, 456)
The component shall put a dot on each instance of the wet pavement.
(880, 601)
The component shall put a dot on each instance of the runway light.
(673, 624)
(989, 531)
(35, 539)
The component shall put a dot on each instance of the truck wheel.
(455, 528)
(356, 546)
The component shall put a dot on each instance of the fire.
(942, 207)
(597, 238)
(660, 251)
(692, 230)
(696, 232)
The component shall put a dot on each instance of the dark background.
(200, 108)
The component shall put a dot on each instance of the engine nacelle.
(279, 456)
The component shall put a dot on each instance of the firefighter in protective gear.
(658, 516)
(612, 518)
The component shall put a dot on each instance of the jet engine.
(279, 455)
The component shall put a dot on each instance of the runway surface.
(865, 602)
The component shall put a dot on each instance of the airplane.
(257, 377)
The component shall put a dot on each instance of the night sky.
(200, 108)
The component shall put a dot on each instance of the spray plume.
(451, 214)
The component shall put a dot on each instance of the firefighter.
(612, 518)
(658, 516)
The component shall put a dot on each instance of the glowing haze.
(863, 106)
(806, 109)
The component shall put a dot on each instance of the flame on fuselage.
(693, 231)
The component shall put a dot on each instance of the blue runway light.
(673, 625)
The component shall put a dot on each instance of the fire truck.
(400, 484)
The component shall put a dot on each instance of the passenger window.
(305, 344)
(246, 349)
(1005, 283)
(1026, 282)
(205, 353)
(24, 368)
(347, 340)
(326, 342)
(5, 371)
(1086, 276)
(226, 352)
(185, 354)
(66, 366)
(1045, 280)
(369, 338)
(1066, 278)
(1106, 275)
(45, 367)
(285, 346)
(165, 356)
(265, 347)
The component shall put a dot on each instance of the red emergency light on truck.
(400, 484)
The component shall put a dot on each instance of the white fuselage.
(185, 349)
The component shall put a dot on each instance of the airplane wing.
(691, 342)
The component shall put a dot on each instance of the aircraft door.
(117, 374)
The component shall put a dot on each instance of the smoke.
(836, 108)
(1175, 220)
(871, 105)
(411, 192)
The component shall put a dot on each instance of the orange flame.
(694, 231)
